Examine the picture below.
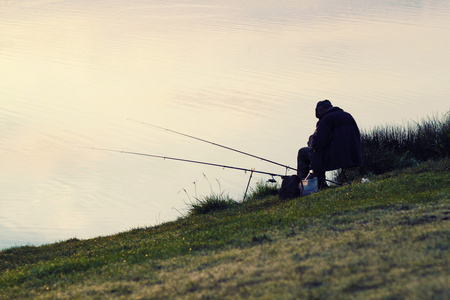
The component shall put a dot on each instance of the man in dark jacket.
(335, 144)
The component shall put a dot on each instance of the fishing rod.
(228, 148)
(187, 160)
(215, 144)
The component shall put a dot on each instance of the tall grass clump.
(210, 203)
(215, 201)
(263, 190)
(390, 147)
(206, 204)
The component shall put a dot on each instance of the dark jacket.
(336, 141)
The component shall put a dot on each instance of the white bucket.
(309, 186)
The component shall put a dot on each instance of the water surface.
(246, 75)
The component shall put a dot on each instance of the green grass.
(388, 239)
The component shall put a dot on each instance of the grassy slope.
(388, 239)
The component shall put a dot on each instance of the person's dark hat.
(322, 106)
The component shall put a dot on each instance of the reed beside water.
(392, 147)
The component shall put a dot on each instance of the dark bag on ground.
(289, 187)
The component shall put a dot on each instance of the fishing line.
(215, 144)
(186, 160)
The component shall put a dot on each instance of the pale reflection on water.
(246, 75)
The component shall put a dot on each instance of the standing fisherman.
(336, 143)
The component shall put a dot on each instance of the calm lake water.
(245, 74)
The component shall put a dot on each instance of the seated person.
(335, 144)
